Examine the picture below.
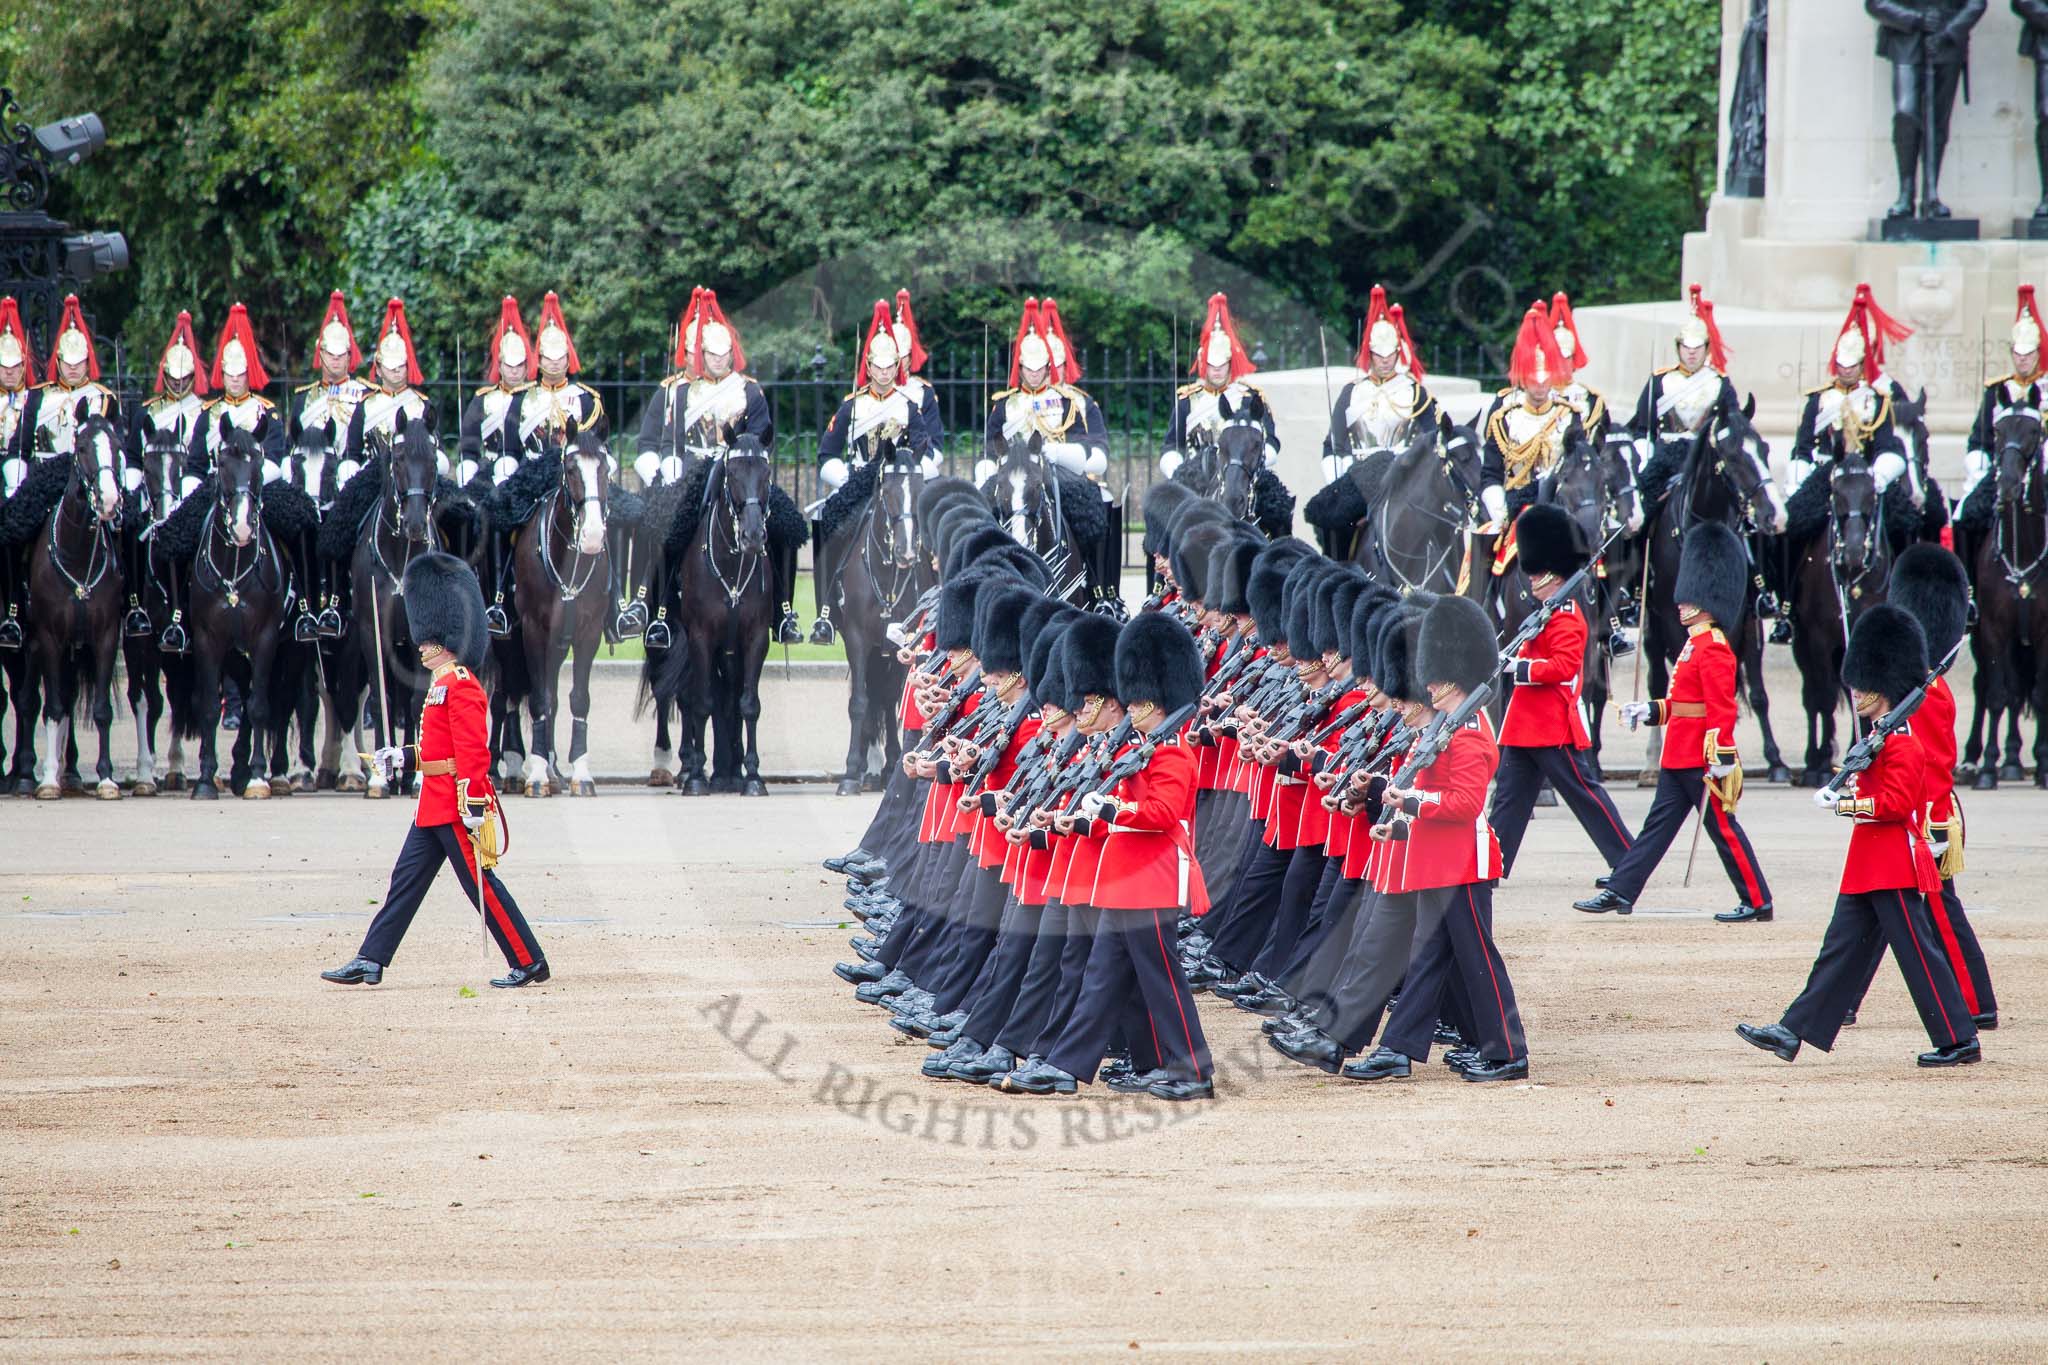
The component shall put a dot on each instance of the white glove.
(645, 466)
(1333, 467)
(1092, 804)
(390, 761)
(186, 484)
(131, 478)
(345, 471)
(1886, 469)
(270, 471)
(1634, 713)
(1272, 456)
(1068, 455)
(1975, 465)
(984, 470)
(931, 466)
(465, 470)
(833, 473)
(504, 467)
(1826, 798)
(12, 472)
(1495, 501)
(1720, 770)
(1644, 448)
(441, 463)
(1170, 460)
(1096, 465)
(671, 469)
(474, 821)
(897, 635)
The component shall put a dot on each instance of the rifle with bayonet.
(1865, 750)
(1435, 738)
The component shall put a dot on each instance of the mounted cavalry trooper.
(321, 461)
(1219, 395)
(710, 392)
(48, 424)
(238, 373)
(1378, 411)
(1679, 401)
(490, 443)
(1529, 424)
(877, 411)
(171, 421)
(396, 398)
(17, 379)
(555, 399)
(1042, 399)
(1591, 406)
(910, 358)
(2019, 389)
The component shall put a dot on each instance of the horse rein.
(259, 541)
(2021, 577)
(98, 558)
(749, 564)
(570, 587)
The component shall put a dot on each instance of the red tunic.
(1543, 709)
(1934, 725)
(454, 723)
(1147, 855)
(1449, 842)
(988, 843)
(1705, 676)
(1887, 851)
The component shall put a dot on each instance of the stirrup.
(632, 620)
(1619, 646)
(329, 623)
(821, 630)
(305, 630)
(1781, 633)
(659, 636)
(137, 625)
(495, 621)
(1766, 605)
(10, 634)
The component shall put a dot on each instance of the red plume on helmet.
(1027, 326)
(878, 324)
(686, 335)
(918, 354)
(1218, 320)
(74, 316)
(238, 329)
(1070, 368)
(1876, 327)
(394, 321)
(1561, 319)
(1414, 357)
(508, 321)
(1535, 358)
(337, 311)
(1717, 349)
(182, 333)
(10, 324)
(551, 316)
(2028, 309)
(708, 313)
(1374, 312)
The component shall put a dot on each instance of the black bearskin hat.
(1230, 572)
(1713, 574)
(955, 522)
(997, 609)
(1157, 661)
(1297, 605)
(1366, 612)
(936, 491)
(972, 544)
(1887, 653)
(1020, 560)
(1458, 645)
(955, 628)
(445, 606)
(1040, 635)
(1394, 654)
(1162, 502)
(1934, 588)
(1200, 512)
(1337, 613)
(1088, 654)
(1190, 559)
(1547, 541)
(1049, 683)
(1268, 580)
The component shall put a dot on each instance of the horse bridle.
(749, 563)
(1457, 516)
(386, 504)
(98, 557)
(2021, 577)
(568, 585)
(1709, 437)
(259, 537)
(1879, 552)
(902, 571)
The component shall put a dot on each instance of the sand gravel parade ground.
(694, 1140)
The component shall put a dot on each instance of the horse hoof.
(375, 793)
(174, 782)
(661, 777)
(872, 783)
(536, 789)
(143, 789)
(303, 783)
(754, 787)
(74, 785)
(584, 788)
(696, 786)
(280, 786)
(205, 791)
(326, 780)
(2041, 778)
(256, 790)
(351, 784)
(2012, 772)
(1987, 781)
(48, 792)
(1780, 774)
(848, 786)
(108, 790)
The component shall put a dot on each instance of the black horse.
(561, 562)
(725, 608)
(1225, 467)
(1722, 474)
(241, 584)
(1843, 572)
(2010, 642)
(1422, 532)
(881, 572)
(1058, 514)
(77, 597)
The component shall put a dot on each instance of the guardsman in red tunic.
(1889, 871)
(1544, 732)
(1698, 717)
(1146, 874)
(1931, 585)
(444, 613)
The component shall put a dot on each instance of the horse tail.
(670, 678)
(181, 681)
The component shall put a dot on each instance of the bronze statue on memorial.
(1928, 44)
(2034, 43)
(1745, 177)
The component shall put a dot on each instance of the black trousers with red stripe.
(1959, 945)
(1460, 951)
(1864, 925)
(1133, 983)
(1577, 783)
(426, 848)
(1678, 797)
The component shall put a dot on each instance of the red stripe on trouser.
(1485, 938)
(1731, 839)
(490, 899)
(1938, 909)
(1185, 1032)
(1925, 970)
(1606, 807)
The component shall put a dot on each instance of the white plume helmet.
(553, 343)
(901, 335)
(1034, 353)
(11, 353)
(883, 352)
(1567, 344)
(1693, 331)
(2026, 337)
(1057, 350)
(715, 338)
